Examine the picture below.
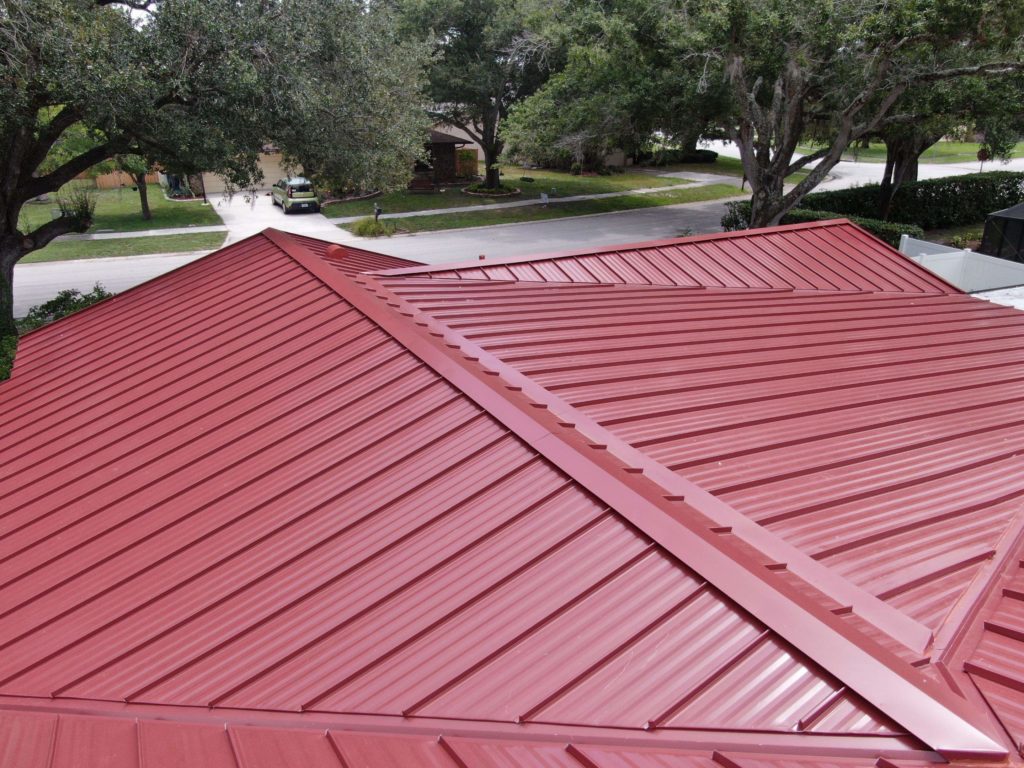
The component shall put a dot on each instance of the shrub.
(677, 156)
(527, 179)
(8, 346)
(466, 163)
(576, 169)
(371, 227)
(737, 216)
(62, 305)
(932, 204)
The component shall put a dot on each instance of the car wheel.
(285, 209)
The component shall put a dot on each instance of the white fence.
(967, 270)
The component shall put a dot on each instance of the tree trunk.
(766, 209)
(140, 182)
(902, 157)
(492, 174)
(10, 252)
(687, 140)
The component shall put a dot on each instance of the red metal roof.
(818, 256)
(289, 514)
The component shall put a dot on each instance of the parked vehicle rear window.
(302, 187)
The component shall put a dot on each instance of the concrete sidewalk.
(144, 233)
(706, 180)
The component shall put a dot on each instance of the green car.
(295, 194)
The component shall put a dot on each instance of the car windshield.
(302, 187)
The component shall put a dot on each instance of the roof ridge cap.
(901, 628)
(900, 691)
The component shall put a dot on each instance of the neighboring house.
(459, 133)
(442, 165)
(748, 500)
(271, 163)
(967, 270)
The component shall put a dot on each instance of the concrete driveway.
(246, 214)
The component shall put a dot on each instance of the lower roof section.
(816, 256)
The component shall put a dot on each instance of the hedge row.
(738, 217)
(933, 204)
(673, 156)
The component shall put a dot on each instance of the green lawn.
(561, 210)
(564, 184)
(943, 152)
(126, 246)
(723, 166)
(118, 210)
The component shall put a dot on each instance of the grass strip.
(465, 219)
(126, 246)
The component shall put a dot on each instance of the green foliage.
(8, 347)
(466, 163)
(838, 72)
(629, 75)
(932, 204)
(198, 85)
(479, 68)
(117, 210)
(356, 116)
(77, 204)
(63, 304)
(965, 239)
(669, 156)
(370, 227)
(738, 217)
(201, 85)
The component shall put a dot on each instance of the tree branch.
(135, 5)
(56, 179)
(796, 165)
(48, 136)
(51, 230)
(992, 68)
